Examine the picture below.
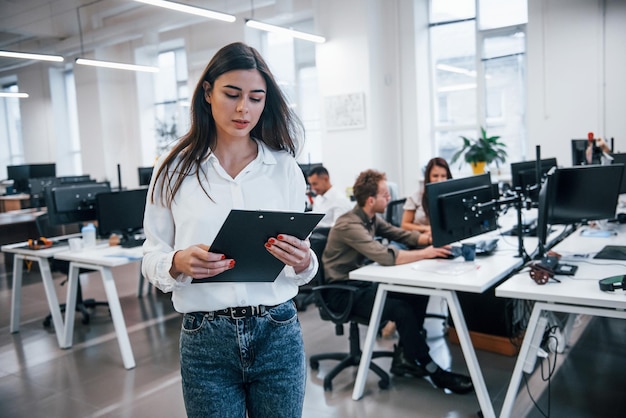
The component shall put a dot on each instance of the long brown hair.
(278, 126)
(434, 162)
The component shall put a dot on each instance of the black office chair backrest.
(318, 240)
(394, 211)
(47, 230)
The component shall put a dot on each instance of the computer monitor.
(524, 176)
(121, 212)
(37, 187)
(145, 175)
(579, 149)
(621, 159)
(577, 195)
(76, 179)
(21, 174)
(73, 203)
(461, 208)
(43, 170)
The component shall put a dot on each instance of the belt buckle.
(235, 313)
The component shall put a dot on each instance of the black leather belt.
(241, 312)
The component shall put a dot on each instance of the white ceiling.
(52, 26)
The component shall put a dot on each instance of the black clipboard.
(243, 235)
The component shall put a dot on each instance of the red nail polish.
(267, 245)
(280, 237)
(272, 240)
(232, 264)
(223, 257)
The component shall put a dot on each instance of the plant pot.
(478, 167)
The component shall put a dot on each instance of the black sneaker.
(456, 383)
(400, 366)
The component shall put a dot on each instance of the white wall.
(575, 76)
(576, 81)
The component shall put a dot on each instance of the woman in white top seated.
(415, 216)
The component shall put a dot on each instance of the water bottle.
(89, 235)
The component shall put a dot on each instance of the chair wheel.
(85, 319)
(314, 364)
(46, 322)
(383, 384)
(328, 386)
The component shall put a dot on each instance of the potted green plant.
(479, 152)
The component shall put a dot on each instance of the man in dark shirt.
(352, 242)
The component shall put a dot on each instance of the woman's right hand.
(198, 262)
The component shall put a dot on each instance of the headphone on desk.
(610, 284)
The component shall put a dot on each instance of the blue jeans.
(230, 366)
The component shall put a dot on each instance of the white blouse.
(272, 181)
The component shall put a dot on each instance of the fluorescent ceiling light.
(198, 11)
(117, 65)
(457, 87)
(13, 94)
(458, 70)
(293, 33)
(28, 56)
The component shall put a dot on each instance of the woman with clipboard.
(241, 348)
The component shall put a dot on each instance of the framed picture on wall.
(345, 111)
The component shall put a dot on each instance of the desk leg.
(70, 305)
(470, 355)
(53, 301)
(366, 355)
(118, 317)
(16, 292)
(516, 378)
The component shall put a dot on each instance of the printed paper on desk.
(243, 235)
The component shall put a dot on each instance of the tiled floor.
(38, 379)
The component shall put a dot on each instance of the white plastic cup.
(76, 244)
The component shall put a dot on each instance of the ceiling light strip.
(13, 94)
(290, 32)
(116, 65)
(29, 56)
(198, 11)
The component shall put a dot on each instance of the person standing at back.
(241, 347)
(328, 200)
(415, 216)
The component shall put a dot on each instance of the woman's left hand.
(290, 250)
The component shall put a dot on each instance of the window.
(478, 73)
(171, 95)
(67, 153)
(11, 151)
(293, 63)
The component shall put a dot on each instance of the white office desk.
(23, 253)
(101, 258)
(441, 278)
(579, 294)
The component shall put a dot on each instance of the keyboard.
(487, 246)
(131, 243)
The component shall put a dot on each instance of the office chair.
(353, 357)
(45, 229)
(394, 211)
(305, 295)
